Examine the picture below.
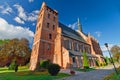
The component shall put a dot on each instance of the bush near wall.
(53, 69)
(44, 64)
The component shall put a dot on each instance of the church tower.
(47, 39)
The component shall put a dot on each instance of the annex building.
(60, 44)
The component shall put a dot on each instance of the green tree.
(115, 50)
(85, 60)
(3, 41)
(107, 60)
(15, 49)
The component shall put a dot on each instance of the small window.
(73, 59)
(53, 27)
(48, 24)
(54, 18)
(50, 36)
(49, 16)
(49, 46)
(39, 25)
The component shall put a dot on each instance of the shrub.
(85, 61)
(97, 63)
(44, 64)
(53, 69)
(86, 67)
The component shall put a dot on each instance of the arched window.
(48, 16)
(50, 36)
(53, 27)
(48, 24)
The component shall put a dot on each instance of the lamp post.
(106, 45)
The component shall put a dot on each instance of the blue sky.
(99, 17)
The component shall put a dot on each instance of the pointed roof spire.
(43, 4)
(79, 25)
(89, 34)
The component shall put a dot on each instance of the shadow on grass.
(29, 75)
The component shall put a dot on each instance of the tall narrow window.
(73, 59)
(48, 16)
(77, 46)
(54, 18)
(39, 25)
(67, 45)
(48, 24)
(50, 36)
(49, 46)
(53, 27)
(70, 44)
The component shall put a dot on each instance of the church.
(60, 44)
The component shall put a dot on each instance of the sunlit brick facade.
(56, 42)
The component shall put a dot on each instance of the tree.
(85, 60)
(107, 60)
(115, 50)
(3, 41)
(15, 49)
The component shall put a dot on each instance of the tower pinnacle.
(79, 25)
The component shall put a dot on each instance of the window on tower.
(48, 24)
(48, 16)
(53, 27)
(39, 25)
(54, 18)
(49, 46)
(50, 36)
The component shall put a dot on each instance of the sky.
(100, 18)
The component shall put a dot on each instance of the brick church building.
(60, 44)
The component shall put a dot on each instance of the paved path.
(92, 75)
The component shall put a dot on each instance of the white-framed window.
(70, 44)
(76, 46)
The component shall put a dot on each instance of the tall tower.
(47, 39)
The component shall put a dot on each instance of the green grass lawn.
(85, 70)
(24, 74)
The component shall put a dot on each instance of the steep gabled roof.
(66, 31)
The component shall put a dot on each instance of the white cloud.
(6, 9)
(73, 26)
(33, 16)
(26, 16)
(98, 33)
(31, 1)
(21, 12)
(104, 49)
(17, 19)
(9, 31)
(1, 7)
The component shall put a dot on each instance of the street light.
(106, 45)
